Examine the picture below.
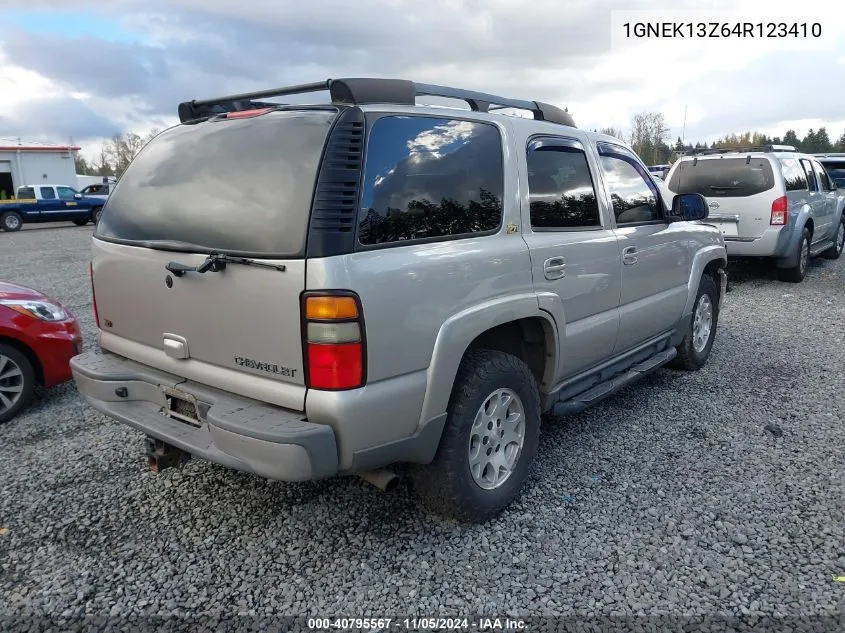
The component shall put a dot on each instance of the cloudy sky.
(87, 69)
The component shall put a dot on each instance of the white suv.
(769, 201)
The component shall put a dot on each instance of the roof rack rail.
(750, 148)
(362, 91)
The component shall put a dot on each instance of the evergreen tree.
(823, 143)
(791, 138)
(810, 142)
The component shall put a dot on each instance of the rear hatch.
(740, 191)
(241, 188)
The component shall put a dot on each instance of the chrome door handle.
(554, 268)
(629, 255)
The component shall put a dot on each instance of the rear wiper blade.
(216, 262)
(724, 187)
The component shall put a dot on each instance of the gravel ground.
(669, 498)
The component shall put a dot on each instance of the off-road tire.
(836, 250)
(446, 485)
(28, 380)
(688, 358)
(8, 218)
(796, 274)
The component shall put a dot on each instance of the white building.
(32, 164)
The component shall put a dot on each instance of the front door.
(656, 261)
(72, 208)
(574, 256)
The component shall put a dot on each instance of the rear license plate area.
(728, 228)
(181, 406)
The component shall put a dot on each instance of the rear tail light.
(333, 333)
(93, 295)
(780, 212)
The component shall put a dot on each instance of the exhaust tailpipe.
(381, 479)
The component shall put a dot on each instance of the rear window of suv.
(236, 186)
(723, 177)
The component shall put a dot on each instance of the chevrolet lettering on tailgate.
(271, 368)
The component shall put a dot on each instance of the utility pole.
(684, 129)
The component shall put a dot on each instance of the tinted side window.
(26, 193)
(793, 175)
(560, 188)
(47, 193)
(632, 193)
(430, 177)
(811, 177)
(823, 177)
(66, 193)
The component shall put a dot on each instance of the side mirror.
(77, 195)
(689, 207)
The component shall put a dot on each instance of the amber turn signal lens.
(330, 308)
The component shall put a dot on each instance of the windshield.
(238, 186)
(723, 177)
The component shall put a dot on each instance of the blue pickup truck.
(48, 203)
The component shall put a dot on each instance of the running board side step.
(587, 398)
(820, 248)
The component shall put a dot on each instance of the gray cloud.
(200, 48)
(108, 69)
(775, 88)
(57, 119)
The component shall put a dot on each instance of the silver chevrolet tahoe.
(301, 291)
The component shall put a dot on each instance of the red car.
(38, 337)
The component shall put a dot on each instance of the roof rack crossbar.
(749, 148)
(263, 94)
(361, 91)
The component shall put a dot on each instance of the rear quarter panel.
(418, 299)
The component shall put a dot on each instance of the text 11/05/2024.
(418, 624)
(693, 30)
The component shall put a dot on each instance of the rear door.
(827, 191)
(655, 257)
(739, 189)
(573, 249)
(815, 197)
(241, 187)
(49, 205)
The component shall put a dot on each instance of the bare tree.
(614, 132)
(649, 133)
(102, 166)
(122, 148)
